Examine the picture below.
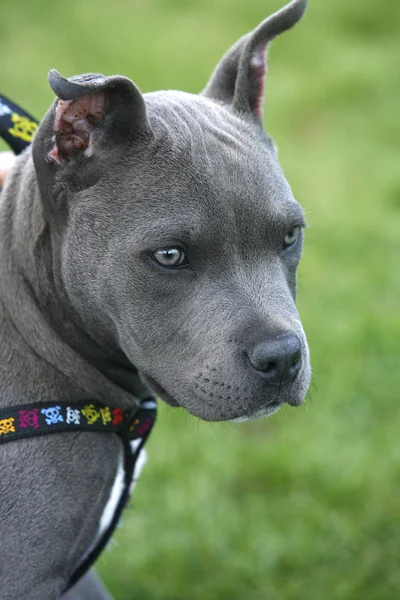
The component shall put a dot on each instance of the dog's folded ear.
(238, 80)
(92, 121)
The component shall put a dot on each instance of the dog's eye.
(170, 257)
(291, 237)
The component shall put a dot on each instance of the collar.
(28, 420)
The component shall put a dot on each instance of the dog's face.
(182, 237)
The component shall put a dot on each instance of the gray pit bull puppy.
(143, 238)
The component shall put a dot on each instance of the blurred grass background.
(307, 503)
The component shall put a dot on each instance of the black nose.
(277, 358)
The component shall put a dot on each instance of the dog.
(148, 243)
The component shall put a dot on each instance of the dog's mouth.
(265, 411)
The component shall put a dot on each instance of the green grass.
(305, 505)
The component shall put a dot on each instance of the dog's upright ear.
(238, 80)
(91, 123)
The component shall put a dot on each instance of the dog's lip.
(160, 391)
(266, 411)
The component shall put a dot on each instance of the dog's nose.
(277, 358)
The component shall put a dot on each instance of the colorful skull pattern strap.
(29, 420)
(134, 425)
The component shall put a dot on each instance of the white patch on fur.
(140, 462)
(115, 495)
(118, 487)
(117, 490)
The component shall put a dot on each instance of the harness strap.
(130, 459)
(29, 420)
(16, 125)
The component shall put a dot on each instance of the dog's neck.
(36, 312)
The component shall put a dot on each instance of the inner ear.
(74, 123)
(94, 113)
(94, 121)
(256, 75)
(238, 80)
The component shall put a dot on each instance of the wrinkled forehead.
(229, 161)
(206, 133)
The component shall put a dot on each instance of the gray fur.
(84, 308)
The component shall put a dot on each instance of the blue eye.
(291, 237)
(170, 257)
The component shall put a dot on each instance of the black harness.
(16, 125)
(28, 420)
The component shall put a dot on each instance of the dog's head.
(180, 237)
